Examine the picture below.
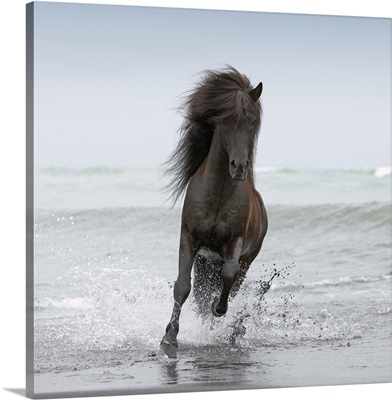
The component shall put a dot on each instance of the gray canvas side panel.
(30, 199)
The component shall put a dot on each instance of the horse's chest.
(215, 215)
(214, 226)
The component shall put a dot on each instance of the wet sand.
(357, 361)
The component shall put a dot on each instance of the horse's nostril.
(233, 164)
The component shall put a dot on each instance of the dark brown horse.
(223, 216)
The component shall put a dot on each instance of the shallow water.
(105, 264)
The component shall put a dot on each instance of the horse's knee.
(230, 271)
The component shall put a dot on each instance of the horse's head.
(239, 135)
(223, 105)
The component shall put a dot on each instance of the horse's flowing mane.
(220, 97)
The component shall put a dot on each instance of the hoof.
(214, 304)
(169, 349)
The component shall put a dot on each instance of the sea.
(105, 261)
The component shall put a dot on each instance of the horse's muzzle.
(238, 177)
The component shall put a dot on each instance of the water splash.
(238, 327)
(128, 310)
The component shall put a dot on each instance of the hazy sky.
(108, 80)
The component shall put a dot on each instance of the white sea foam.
(78, 303)
(383, 171)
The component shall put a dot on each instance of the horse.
(224, 220)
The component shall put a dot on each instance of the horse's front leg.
(230, 271)
(182, 288)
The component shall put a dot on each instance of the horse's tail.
(207, 282)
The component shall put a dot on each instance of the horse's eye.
(253, 123)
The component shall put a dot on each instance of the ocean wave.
(337, 282)
(100, 186)
(316, 217)
(378, 172)
(119, 219)
(382, 172)
(327, 216)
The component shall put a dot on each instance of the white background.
(12, 184)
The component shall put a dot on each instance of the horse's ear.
(256, 92)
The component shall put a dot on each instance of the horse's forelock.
(222, 96)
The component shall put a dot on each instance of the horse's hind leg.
(230, 271)
(182, 288)
(207, 281)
